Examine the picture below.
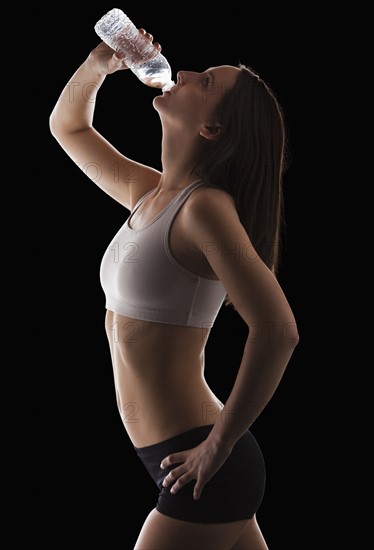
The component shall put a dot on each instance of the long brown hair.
(247, 160)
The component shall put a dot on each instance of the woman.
(201, 233)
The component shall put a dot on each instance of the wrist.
(220, 442)
(96, 72)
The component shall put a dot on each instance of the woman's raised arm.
(71, 125)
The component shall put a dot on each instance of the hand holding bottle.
(107, 61)
(141, 57)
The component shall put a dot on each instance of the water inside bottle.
(156, 78)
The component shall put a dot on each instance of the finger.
(149, 37)
(146, 34)
(173, 459)
(173, 475)
(117, 61)
(198, 489)
(199, 486)
(181, 482)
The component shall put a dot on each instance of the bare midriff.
(159, 378)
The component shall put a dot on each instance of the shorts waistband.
(186, 438)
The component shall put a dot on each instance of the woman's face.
(191, 103)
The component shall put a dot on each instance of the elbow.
(279, 335)
(57, 125)
(290, 334)
(284, 335)
(53, 125)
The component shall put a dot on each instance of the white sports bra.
(142, 280)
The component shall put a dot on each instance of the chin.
(158, 102)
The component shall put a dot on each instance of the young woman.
(202, 232)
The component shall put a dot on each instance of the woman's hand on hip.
(200, 463)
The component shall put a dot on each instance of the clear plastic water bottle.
(120, 34)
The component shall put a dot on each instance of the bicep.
(125, 180)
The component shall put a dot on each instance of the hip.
(234, 492)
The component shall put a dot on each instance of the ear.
(210, 132)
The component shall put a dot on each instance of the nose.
(184, 76)
(180, 77)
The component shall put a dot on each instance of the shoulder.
(207, 204)
(211, 217)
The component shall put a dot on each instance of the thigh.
(161, 532)
(251, 538)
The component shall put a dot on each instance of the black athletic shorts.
(234, 493)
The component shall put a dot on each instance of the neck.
(178, 156)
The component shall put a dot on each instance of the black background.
(94, 488)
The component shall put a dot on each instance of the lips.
(168, 86)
